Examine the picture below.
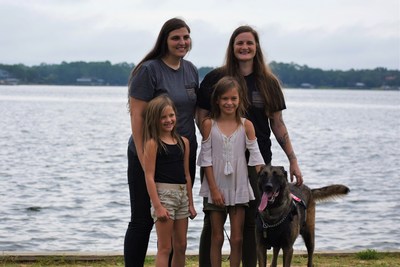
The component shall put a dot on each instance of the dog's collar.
(265, 225)
(293, 203)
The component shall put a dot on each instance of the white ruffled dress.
(226, 154)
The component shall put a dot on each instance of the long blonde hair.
(152, 115)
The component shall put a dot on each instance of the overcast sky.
(327, 34)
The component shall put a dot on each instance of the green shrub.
(369, 254)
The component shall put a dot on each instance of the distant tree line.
(294, 75)
(71, 73)
(105, 73)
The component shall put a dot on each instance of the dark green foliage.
(369, 254)
(293, 75)
(102, 73)
(290, 74)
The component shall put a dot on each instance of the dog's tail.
(329, 192)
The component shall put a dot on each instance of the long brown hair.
(160, 48)
(151, 125)
(221, 87)
(266, 82)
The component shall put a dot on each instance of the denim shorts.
(174, 198)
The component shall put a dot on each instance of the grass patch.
(367, 258)
(369, 254)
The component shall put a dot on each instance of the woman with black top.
(264, 104)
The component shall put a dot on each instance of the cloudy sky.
(327, 34)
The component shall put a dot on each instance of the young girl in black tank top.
(168, 181)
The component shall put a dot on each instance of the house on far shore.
(359, 85)
(9, 81)
(89, 81)
(307, 85)
(6, 79)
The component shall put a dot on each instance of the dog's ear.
(284, 172)
(262, 167)
(282, 169)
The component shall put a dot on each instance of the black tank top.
(170, 165)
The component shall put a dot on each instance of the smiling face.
(244, 46)
(228, 102)
(167, 119)
(178, 42)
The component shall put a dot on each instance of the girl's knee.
(164, 250)
(236, 241)
(180, 247)
(218, 239)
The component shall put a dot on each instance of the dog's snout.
(268, 187)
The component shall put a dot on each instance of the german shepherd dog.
(285, 211)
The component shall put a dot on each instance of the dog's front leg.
(275, 255)
(287, 256)
(262, 256)
(261, 252)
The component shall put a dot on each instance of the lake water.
(63, 162)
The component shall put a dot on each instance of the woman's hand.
(295, 172)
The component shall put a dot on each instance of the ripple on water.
(63, 167)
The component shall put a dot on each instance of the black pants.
(139, 228)
(249, 253)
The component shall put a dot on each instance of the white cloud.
(329, 34)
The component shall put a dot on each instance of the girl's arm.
(149, 156)
(201, 115)
(256, 158)
(192, 210)
(280, 131)
(137, 108)
(217, 197)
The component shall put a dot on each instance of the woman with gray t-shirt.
(162, 71)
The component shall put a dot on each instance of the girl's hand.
(162, 214)
(217, 198)
(192, 212)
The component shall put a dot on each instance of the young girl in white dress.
(226, 137)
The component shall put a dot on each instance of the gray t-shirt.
(155, 78)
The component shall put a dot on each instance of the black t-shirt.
(255, 112)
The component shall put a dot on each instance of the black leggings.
(249, 253)
(139, 228)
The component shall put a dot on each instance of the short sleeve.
(206, 89)
(142, 85)
(205, 155)
(255, 154)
